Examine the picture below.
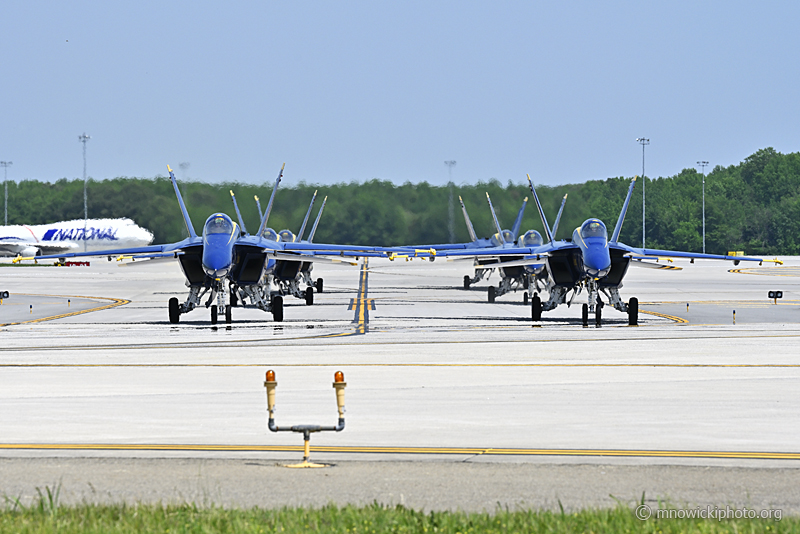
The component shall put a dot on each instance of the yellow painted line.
(114, 303)
(675, 318)
(774, 271)
(406, 450)
(282, 341)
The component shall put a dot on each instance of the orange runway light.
(270, 376)
(338, 376)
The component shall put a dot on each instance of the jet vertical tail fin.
(618, 227)
(541, 212)
(470, 228)
(316, 222)
(186, 219)
(258, 203)
(496, 223)
(238, 214)
(518, 222)
(265, 218)
(558, 217)
(299, 236)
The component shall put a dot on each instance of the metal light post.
(83, 138)
(702, 165)
(451, 223)
(5, 165)
(643, 141)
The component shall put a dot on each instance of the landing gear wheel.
(492, 293)
(234, 297)
(174, 311)
(585, 315)
(214, 314)
(277, 308)
(633, 311)
(525, 298)
(525, 282)
(536, 308)
(228, 318)
(467, 281)
(318, 285)
(309, 295)
(598, 314)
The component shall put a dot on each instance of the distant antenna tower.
(5, 165)
(451, 223)
(83, 138)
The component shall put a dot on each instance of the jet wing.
(657, 253)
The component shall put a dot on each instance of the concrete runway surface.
(443, 387)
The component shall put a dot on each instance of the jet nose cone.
(597, 262)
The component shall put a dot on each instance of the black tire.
(633, 311)
(467, 281)
(585, 314)
(214, 314)
(525, 281)
(536, 308)
(318, 285)
(598, 314)
(492, 293)
(228, 317)
(309, 295)
(234, 297)
(525, 298)
(277, 309)
(174, 311)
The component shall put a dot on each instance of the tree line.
(753, 206)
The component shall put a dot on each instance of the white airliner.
(72, 236)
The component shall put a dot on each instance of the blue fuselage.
(592, 239)
(219, 237)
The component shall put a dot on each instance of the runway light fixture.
(338, 384)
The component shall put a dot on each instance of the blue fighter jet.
(289, 280)
(513, 274)
(591, 262)
(233, 267)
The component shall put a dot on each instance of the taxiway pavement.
(435, 374)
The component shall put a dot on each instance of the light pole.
(451, 223)
(5, 165)
(83, 138)
(643, 141)
(702, 165)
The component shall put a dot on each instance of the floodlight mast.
(83, 139)
(702, 165)
(644, 142)
(451, 222)
(5, 165)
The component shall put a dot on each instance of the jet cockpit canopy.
(532, 238)
(286, 236)
(593, 228)
(218, 224)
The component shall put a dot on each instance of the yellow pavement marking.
(678, 320)
(406, 450)
(114, 303)
(775, 271)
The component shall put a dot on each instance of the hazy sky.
(344, 91)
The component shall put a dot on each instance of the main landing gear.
(309, 295)
(536, 307)
(318, 285)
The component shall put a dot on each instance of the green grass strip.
(46, 516)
